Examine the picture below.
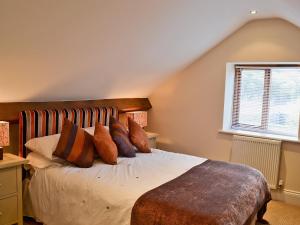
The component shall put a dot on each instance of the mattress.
(103, 194)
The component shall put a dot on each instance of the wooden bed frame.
(10, 111)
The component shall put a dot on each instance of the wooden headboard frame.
(10, 111)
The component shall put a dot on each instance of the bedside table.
(152, 139)
(11, 205)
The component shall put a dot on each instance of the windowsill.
(261, 135)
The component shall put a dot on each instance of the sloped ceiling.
(92, 49)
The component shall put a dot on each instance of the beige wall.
(188, 109)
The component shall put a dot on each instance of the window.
(266, 99)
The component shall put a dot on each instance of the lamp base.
(1, 153)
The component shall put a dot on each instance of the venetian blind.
(267, 99)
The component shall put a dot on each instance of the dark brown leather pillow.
(120, 136)
(75, 145)
(105, 146)
(138, 136)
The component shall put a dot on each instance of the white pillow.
(91, 130)
(46, 145)
(38, 161)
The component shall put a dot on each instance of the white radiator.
(262, 154)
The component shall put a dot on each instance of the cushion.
(138, 136)
(120, 136)
(45, 146)
(105, 146)
(75, 145)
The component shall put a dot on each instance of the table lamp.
(140, 117)
(4, 136)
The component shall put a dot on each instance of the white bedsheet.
(102, 194)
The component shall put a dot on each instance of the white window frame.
(228, 104)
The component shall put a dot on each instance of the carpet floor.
(278, 213)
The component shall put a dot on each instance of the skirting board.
(287, 196)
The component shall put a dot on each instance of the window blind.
(267, 99)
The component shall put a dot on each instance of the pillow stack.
(78, 146)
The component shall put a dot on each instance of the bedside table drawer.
(9, 210)
(8, 181)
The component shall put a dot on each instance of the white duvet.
(102, 194)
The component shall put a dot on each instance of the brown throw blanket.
(212, 193)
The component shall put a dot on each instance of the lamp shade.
(4, 133)
(140, 117)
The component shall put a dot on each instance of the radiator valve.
(280, 183)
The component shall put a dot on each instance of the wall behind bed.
(188, 109)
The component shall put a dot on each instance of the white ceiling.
(89, 49)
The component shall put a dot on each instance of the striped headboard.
(38, 123)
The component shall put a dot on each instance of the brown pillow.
(138, 136)
(75, 145)
(119, 135)
(105, 147)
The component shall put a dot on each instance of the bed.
(157, 188)
(102, 194)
